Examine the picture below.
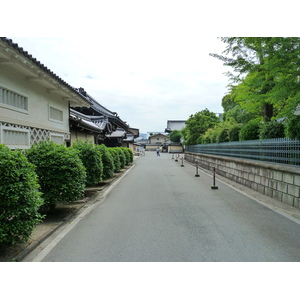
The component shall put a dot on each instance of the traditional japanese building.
(36, 105)
(34, 102)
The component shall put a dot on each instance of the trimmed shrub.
(233, 133)
(107, 161)
(223, 136)
(129, 155)
(292, 129)
(61, 173)
(122, 156)
(271, 130)
(208, 137)
(116, 158)
(250, 131)
(92, 161)
(20, 198)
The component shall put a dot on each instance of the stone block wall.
(280, 182)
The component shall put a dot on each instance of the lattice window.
(22, 137)
(37, 135)
(11, 99)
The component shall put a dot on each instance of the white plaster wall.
(38, 104)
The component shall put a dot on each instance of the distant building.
(156, 140)
(174, 125)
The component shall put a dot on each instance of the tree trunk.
(268, 112)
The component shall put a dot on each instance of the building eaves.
(86, 123)
(16, 47)
(94, 105)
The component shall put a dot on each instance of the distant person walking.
(157, 151)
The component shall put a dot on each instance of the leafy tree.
(292, 129)
(233, 110)
(266, 73)
(175, 136)
(20, 198)
(197, 125)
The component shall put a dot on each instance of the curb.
(97, 197)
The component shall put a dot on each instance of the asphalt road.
(161, 212)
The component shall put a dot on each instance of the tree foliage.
(265, 77)
(197, 125)
(292, 129)
(175, 136)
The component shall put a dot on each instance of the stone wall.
(280, 182)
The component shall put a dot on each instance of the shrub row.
(253, 130)
(47, 174)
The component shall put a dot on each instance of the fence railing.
(282, 151)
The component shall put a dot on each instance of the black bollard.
(197, 174)
(214, 187)
(182, 161)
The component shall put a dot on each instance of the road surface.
(161, 212)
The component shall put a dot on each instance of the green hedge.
(128, 154)
(61, 173)
(131, 155)
(292, 129)
(20, 198)
(233, 134)
(116, 158)
(250, 131)
(107, 161)
(92, 161)
(122, 156)
(271, 130)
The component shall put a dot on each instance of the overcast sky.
(147, 79)
(147, 60)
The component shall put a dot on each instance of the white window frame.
(55, 120)
(13, 107)
(58, 135)
(12, 146)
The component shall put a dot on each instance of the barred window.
(57, 138)
(15, 137)
(12, 99)
(55, 114)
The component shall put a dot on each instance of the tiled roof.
(15, 46)
(95, 105)
(113, 116)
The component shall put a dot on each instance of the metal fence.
(282, 151)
